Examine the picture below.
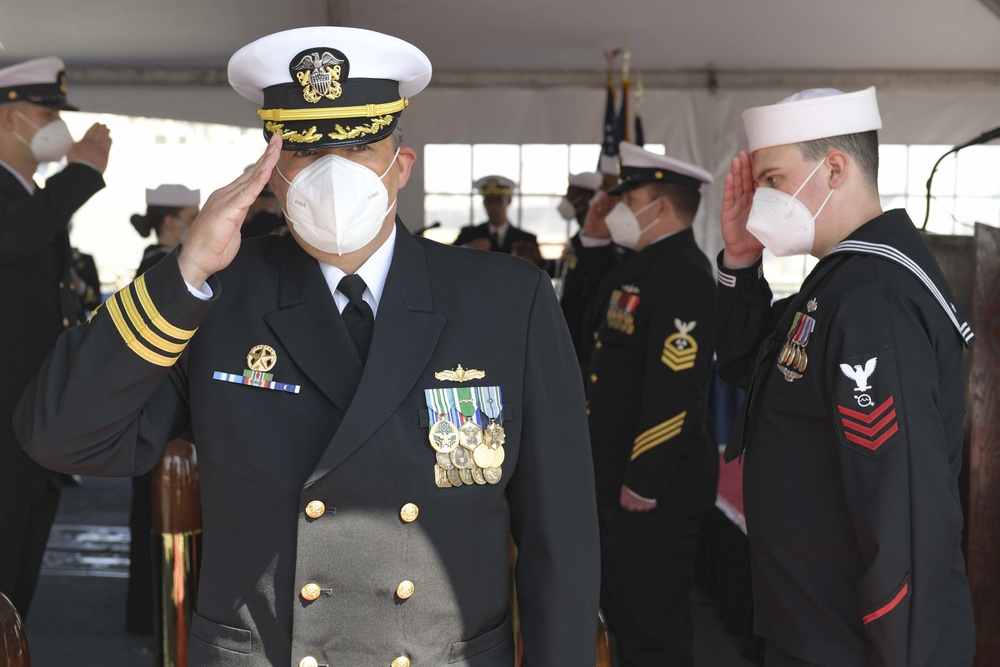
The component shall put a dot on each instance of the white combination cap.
(494, 186)
(817, 113)
(39, 81)
(588, 180)
(329, 86)
(640, 167)
(170, 194)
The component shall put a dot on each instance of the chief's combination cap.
(816, 113)
(329, 86)
(588, 180)
(170, 194)
(39, 81)
(494, 186)
(640, 167)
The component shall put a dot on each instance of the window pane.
(496, 159)
(584, 157)
(540, 217)
(978, 168)
(922, 159)
(447, 168)
(892, 169)
(970, 210)
(942, 209)
(544, 168)
(452, 211)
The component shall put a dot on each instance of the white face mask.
(336, 205)
(623, 224)
(781, 222)
(51, 142)
(566, 209)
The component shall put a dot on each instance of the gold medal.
(470, 435)
(466, 475)
(443, 436)
(492, 475)
(461, 458)
(495, 435)
(454, 477)
(444, 460)
(441, 477)
(498, 456)
(803, 361)
(477, 476)
(483, 456)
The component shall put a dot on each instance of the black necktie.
(357, 314)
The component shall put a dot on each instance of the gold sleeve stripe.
(659, 429)
(130, 339)
(154, 315)
(140, 325)
(659, 441)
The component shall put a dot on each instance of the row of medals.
(468, 454)
(793, 356)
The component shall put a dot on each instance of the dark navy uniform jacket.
(34, 268)
(334, 484)
(647, 377)
(852, 452)
(482, 231)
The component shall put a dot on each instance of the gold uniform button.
(597, 336)
(61, 284)
(405, 590)
(593, 378)
(65, 322)
(308, 661)
(401, 661)
(599, 345)
(408, 513)
(310, 592)
(315, 509)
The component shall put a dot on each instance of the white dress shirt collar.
(28, 185)
(374, 272)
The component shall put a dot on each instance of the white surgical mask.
(566, 209)
(624, 226)
(51, 142)
(336, 205)
(781, 222)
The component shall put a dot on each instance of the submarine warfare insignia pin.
(260, 359)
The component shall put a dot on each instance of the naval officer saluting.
(374, 417)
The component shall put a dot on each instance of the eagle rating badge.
(868, 415)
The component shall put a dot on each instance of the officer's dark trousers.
(139, 598)
(25, 522)
(647, 564)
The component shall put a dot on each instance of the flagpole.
(626, 63)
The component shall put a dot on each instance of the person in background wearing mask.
(587, 258)
(497, 233)
(35, 257)
(853, 435)
(170, 210)
(375, 419)
(655, 460)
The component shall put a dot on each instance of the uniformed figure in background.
(588, 257)
(374, 418)
(853, 426)
(497, 233)
(655, 463)
(170, 210)
(35, 259)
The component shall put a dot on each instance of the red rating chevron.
(870, 430)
